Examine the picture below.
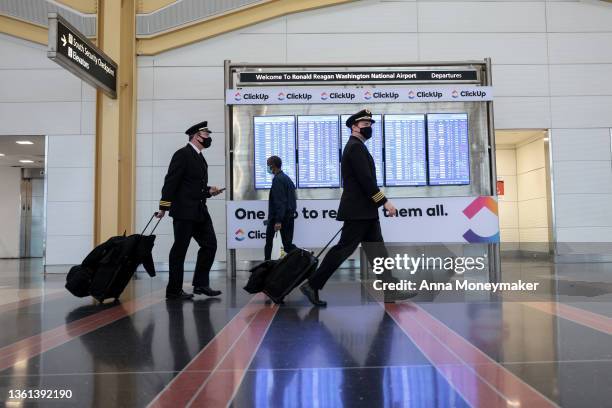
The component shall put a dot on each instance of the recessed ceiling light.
(1, 154)
(24, 142)
(26, 161)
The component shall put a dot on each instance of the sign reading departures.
(276, 77)
(72, 50)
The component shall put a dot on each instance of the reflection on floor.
(241, 351)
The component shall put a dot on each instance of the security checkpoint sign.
(419, 220)
(72, 50)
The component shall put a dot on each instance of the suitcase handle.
(154, 228)
(327, 245)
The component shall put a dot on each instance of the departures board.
(274, 136)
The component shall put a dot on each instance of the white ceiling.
(14, 152)
(515, 137)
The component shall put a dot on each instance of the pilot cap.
(197, 127)
(364, 114)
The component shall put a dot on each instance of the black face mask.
(206, 142)
(366, 132)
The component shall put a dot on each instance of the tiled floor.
(241, 351)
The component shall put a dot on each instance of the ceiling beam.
(24, 30)
(227, 22)
(82, 6)
(150, 6)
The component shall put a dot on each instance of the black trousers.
(204, 234)
(286, 236)
(353, 233)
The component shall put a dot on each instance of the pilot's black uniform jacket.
(361, 196)
(186, 186)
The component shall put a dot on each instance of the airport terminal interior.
(491, 132)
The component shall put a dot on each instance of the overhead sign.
(72, 50)
(334, 95)
(419, 220)
(280, 77)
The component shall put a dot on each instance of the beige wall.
(524, 207)
(532, 192)
(508, 203)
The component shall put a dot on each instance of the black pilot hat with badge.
(202, 126)
(362, 115)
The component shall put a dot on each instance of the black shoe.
(312, 295)
(393, 297)
(182, 295)
(205, 290)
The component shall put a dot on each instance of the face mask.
(206, 142)
(270, 170)
(366, 132)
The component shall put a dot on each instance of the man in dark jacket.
(359, 204)
(281, 207)
(184, 194)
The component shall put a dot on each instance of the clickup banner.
(333, 95)
(437, 219)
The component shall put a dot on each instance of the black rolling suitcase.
(115, 270)
(290, 271)
(259, 274)
(78, 281)
(107, 270)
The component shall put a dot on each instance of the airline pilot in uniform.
(184, 195)
(359, 204)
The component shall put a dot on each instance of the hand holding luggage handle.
(155, 227)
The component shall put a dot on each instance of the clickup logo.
(237, 96)
(411, 94)
(455, 94)
(324, 96)
(470, 212)
(239, 235)
(281, 96)
(367, 95)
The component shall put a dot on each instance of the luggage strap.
(154, 228)
(327, 245)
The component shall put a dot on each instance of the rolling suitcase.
(291, 271)
(259, 274)
(119, 263)
(78, 281)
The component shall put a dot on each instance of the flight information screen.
(374, 145)
(449, 148)
(274, 136)
(318, 151)
(405, 154)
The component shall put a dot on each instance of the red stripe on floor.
(234, 343)
(47, 340)
(583, 317)
(18, 304)
(480, 376)
(220, 389)
(465, 381)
